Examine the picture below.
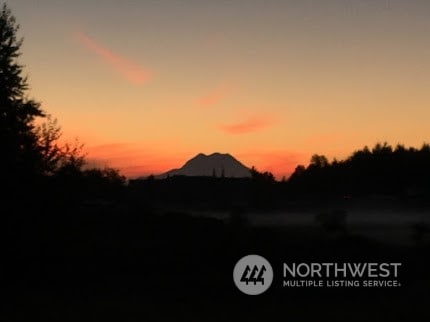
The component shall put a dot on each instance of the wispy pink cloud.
(252, 124)
(214, 96)
(129, 70)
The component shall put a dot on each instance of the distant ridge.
(215, 164)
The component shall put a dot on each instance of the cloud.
(129, 70)
(215, 96)
(252, 124)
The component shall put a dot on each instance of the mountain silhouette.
(216, 164)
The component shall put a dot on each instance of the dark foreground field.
(105, 263)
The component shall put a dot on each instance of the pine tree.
(18, 141)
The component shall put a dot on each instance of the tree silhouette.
(318, 161)
(27, 150)
(18, 140)
(48, 134)
(34, 166)
(398, 171)
(265, 176)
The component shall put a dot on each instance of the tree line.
(382, 169)
(32, 157)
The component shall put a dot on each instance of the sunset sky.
(146, 85)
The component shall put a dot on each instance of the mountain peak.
(215, 154)
(215, 164)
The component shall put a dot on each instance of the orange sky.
(148, 85)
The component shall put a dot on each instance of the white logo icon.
(253, 274)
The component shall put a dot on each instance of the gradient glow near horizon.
(146, 85)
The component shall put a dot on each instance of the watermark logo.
(341, 275)
(253, 274)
